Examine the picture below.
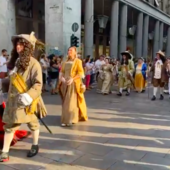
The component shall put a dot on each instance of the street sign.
(75, 27)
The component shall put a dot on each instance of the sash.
(19, 83)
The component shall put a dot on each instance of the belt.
(12, 95)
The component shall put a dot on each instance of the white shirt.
(88, 67)
(44, 64)
(98, 64)
(158, 69)
(3, 68)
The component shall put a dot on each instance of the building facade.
(143, 26)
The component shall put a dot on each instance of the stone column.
(89, 24)
(145, 36)
(161, 31)
(114, 29)
(156, 39)
(7, 24)
(139, 35)
(123, 30)
(168, 43)
(59, 18)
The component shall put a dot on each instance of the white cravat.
(158, 69)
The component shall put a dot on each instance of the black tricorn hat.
(127, 53)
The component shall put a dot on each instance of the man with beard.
(24, 103)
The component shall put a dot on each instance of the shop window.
(24, 8)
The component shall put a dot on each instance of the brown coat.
(14, 112)
(164, 77)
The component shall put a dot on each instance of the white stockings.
(7, 141)
(35, 136)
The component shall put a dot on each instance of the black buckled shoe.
(161, 97)
(119, 94)
(127, 94)
(143, 91)
(34, 151)
(153, 98)
(4, 157)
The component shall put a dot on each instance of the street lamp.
(102, 19)
(132, 30)
(165, 39)
(151, 35)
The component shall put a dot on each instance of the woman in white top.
(98, 64)
(88, 69)
(45, 65)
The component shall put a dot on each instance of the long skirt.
(70, 110)
(104, 86)
(139, 82)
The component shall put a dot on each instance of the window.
(168, 7)
(24, 8)
(161, 4)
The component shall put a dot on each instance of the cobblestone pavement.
(127, 133)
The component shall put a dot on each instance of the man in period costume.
(159, 76)
(126, 70)
(24, 103)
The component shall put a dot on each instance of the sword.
(45, 126)
(48, 129)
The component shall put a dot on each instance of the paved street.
(128, 133)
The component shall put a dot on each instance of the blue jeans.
(53, 83)
(92, 78)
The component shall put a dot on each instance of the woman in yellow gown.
(140, 75)
(72, 90)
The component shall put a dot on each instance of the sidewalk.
(128, 133)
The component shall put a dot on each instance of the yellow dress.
(139, 79)
(73, 103)
(105, 79)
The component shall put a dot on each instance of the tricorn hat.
(128, 54)
(162, 56)
(161, 53)
(30, 38)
